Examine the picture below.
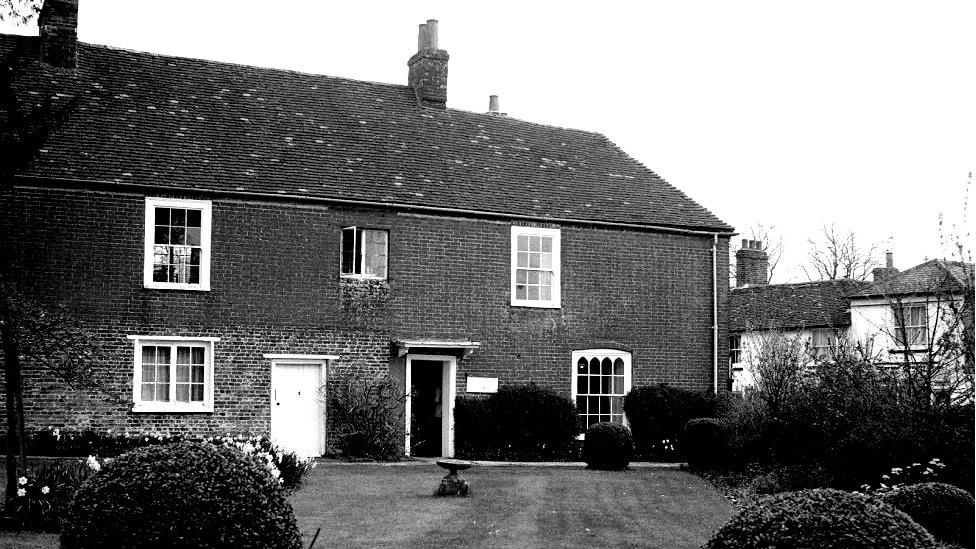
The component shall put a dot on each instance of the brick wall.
(276, 289)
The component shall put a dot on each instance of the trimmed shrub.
(944, 510)
(608, 446)
(705, 443)
(181, 495)
(659, 413)
(519, 422)
(821, 519)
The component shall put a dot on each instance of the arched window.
(601, 378)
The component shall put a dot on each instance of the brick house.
(237, 237)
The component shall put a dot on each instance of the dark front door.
(426, 408)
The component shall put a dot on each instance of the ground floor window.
(173, 374)
(601, 378)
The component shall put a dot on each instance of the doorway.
(430, 405)
(428, 410)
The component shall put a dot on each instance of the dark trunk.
(11, 371)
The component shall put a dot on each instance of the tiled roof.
(933, 276)
(187, 123)
(792, 306)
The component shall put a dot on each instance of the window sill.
(532, 305)
(159, 407)
(907, 350)
(168, 286)
(362, 278)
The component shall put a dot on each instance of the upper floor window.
(535, 267)
(601, 378)
(822, 343)
(177, 244)
(364, 252)
(173, 374)
(911, 325)
(735, 349)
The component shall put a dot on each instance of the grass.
(371, 506)
(367, 505)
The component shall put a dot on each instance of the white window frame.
(905, 309)
(362, 253)
(612, 354)
(139, 405)
(555, 298)
(150, 221)
(735, 350)
(823, 351)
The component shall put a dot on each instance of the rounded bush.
(608, 446)
(821, 519)
(181, 495)
(705, 442)
(944, 510)
(657, 413)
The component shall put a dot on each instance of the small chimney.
(58, 25)
(889, 270)
(428, 68)
(751, 264)
(493, 106)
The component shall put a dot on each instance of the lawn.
(391, 506)
(373, 506)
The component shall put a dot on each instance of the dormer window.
(364, 253)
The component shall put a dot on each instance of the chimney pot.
(492, 103)
(889, 260)
(745, 244)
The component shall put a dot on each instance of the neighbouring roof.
(933, 276)
(792, 306)
(133, 117)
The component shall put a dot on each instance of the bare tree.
(837, 254)
(43, 337)
(777, 360)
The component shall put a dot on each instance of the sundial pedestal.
(451, 484)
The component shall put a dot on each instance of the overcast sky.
(859, 113)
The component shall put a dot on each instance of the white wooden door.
(297, 411)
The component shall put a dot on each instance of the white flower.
(21, 492)
(57, 433)
(45, 490)
(21, 481)
(93, 464)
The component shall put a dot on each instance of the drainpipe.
(715, 313)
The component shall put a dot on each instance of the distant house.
(238, 237)
(896, 318)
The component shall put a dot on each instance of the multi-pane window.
(735, 349)
(177, 244)
(601, 378)
(173, 375)
(911, 325)
(364, 252)
(535, 267)
(822, 343)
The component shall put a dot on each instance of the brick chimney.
(751, 264)
(889, 270)
(428, 68)
(58, 25)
